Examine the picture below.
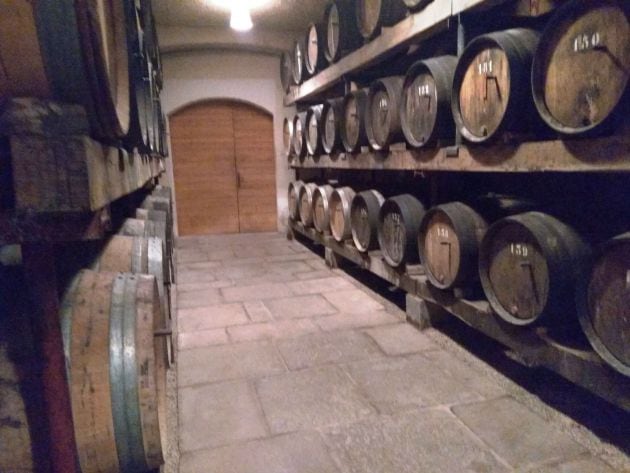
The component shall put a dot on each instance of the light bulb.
(240, 19)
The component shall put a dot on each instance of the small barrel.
(293, 198)
(382, 117)
(340, 204)
(425, 111)
(491, 85)
(314, 130)
(321, 207)
(332, 112)
(119, 421)
(165, 204)
(353, 134)
(582, 65)
(364, 213)
(342, 33)
(149, 229)
(416, 5)
(528, 265)
(287, 137)
(372, 15)
(448, 243)
(603, 303)
(306, 203)
(286, 71)
(299, 135)
(398, 225)
(299, 69)
(314, 59)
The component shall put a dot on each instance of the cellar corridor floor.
(287, 366)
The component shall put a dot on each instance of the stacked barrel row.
(571, 79)
(106, 59)
(533, 267)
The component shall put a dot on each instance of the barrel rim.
(323, 192)
(361, 196)
(336, 105)
(301, 152)
(394, 202)
(288, 149)
(308, 188)
(315, 110)
(346, 205)
(384, 84)
(312, 69)
(298, 65)
(360, 97)
(295, 186)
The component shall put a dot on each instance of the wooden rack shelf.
(532, 346)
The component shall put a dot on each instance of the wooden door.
(224, 168)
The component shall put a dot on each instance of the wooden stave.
(373, 201)
(360, 96)
(299, 68)
(286, 71)
(344, 196)
(411, 211)
(299, 145)
(317, 148)
(564, 265)
(416, 5)
(306, 211)
(322, 193)
(287, 130)
(334, 145)
(519, 45)
(393, 87)
(294, 210)
(320, 60)
(390, 13)
(442, 69)
(350, 38)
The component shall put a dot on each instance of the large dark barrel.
(287, 137)
(416, 5)
(299, 72)
(321, 207)
(364, 212)
(529, 264)
(314, 130)
(342, 33)
(306, 203)
(117, 378)
(398, 225)
(340, 222)
(293, 198)
(372, 15)
(448, 243)
(491, 85)
(382, 118)
(72, 52)
(299, 135)
(314, 59)
(603, 303)
(425, 111)
(286, 71)
(582, 65)
(332, 117)
(353, 133)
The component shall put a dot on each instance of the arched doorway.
(224, 168)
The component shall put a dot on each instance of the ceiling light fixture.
(240, 18)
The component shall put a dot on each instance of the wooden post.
(39, 264)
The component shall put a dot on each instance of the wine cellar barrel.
(529, 265)
(286, 71)
(448, 243)
(149, 229)
(491, 85)
(119, 420)
(416, 5)
(582, 65)
(321, 207)
(299, 69)
(299, 135)
(306, 203)
(425, 111)
(372, 15)
(340, 222)
(353, 134)
(332, 112)
(314, 59)
(314, 130)
(382, 117)
(293, 199)
(398, 225)
(165, 204)
(364, 213)
(603, 303)
(342, 33)
(287, 137)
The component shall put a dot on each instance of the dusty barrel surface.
(287, 137)
(342, 33)
(340, 205)
(448, 243)
(306, 203)
(332, 112)
(372, 15)
(416, 5)
(298, 71)
(353, 134)
(286, 71)
(118, 404)
(321, 207)
(398, 226)
(293, 198)
(603, 303)
(382, 118)
(299, 135)
(314, 130)
(582, 65)
(529, 265)
(364, 213)
(491, 85)
(314, 59)
(425, 111)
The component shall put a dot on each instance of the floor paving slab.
(345, 321)
(299, 307)
(216, 316)
(256, 292)
(280, 329)
(353, 301)
(257, 311)
(315, 286)
(202, 338)
(199, 298)
(314, 274)
(400, 339)
(195, 276)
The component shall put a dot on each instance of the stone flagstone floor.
(286, 366)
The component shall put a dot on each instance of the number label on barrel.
(424, 90)
(383, 104)
(519, 249)
(442, 232)
(586, 41)
(484, 67)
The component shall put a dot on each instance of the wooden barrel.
(398, 225)
(425, 112)
(118, 407)
(287, 137)
(382, 117)
(165, 204)
(293, 199)
(321, 207)
(448, 243)
(163, 191)
(342, 33)
(149, 229)
(364, 212)
(299, 135)
(416, 5)
(340, 221)
(603, 303)
(332, 112)
(528, 265)
(314, 130)
(353, 134)
(314, 59)
(306, 203)
(582, 65)
(286, 71)
(299, 72)
(72, 52)
(491, 85)
(372, 15)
